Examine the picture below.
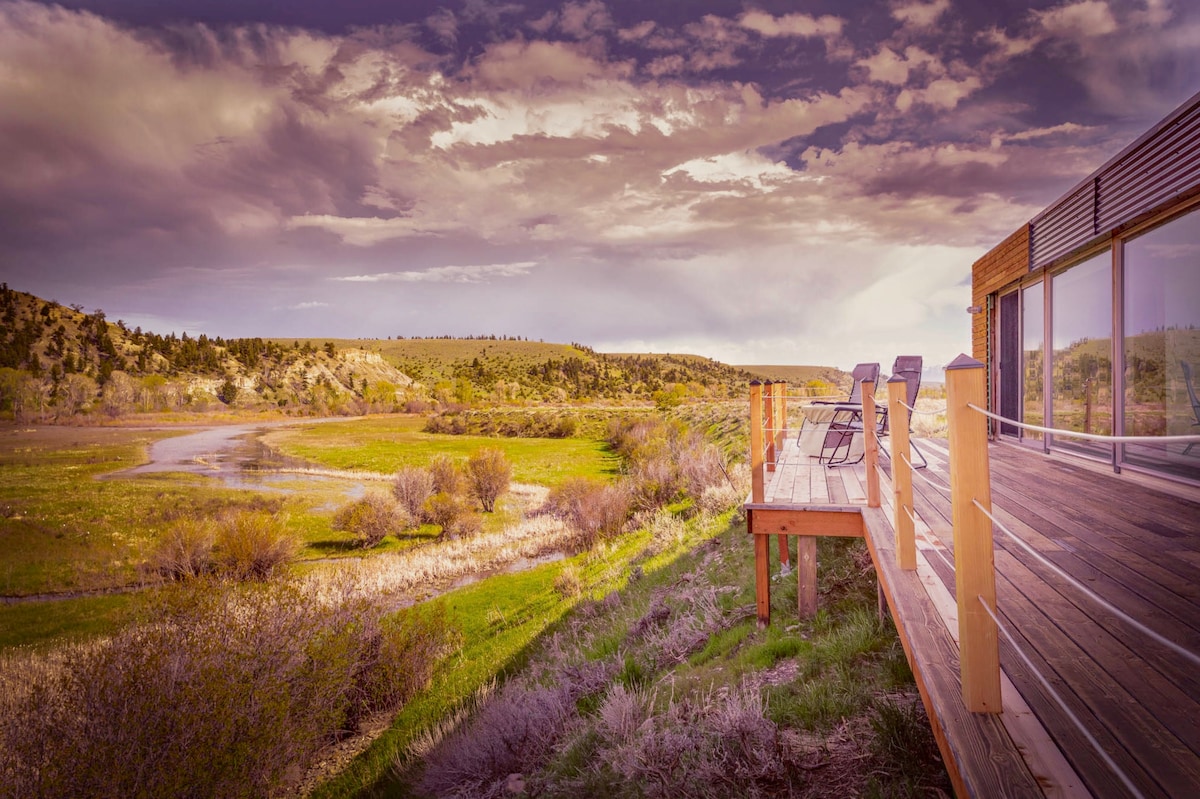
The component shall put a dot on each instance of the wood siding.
(1005, 263)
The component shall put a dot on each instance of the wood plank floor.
(1136, 547)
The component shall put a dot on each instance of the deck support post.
(806, 575)
(974, 566)
(902, 489)
(870, 443)
(762, 550)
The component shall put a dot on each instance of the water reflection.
(237, 456)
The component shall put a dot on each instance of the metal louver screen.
(1152, 171)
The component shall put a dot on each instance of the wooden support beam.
(902, 490)
(870, 443)
(806, 576)
(805, 522)
(974, 564)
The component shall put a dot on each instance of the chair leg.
(924, 462)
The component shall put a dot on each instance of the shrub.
(370, 518)
(185, 551)
(488, 476)
(447, 476)
(452, 514)
(594, 510)
(253, 545)
(230, 692)
(412, 486)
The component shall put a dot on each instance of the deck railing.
(974, 523)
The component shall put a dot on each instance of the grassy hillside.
(58, 362)
(797, 375)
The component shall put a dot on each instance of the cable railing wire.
(1111, 608)
(1088, 436)
(934, 412)
(941, 554)
(1033, 670)
(920, 473)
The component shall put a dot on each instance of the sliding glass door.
(1081, 360)
(1162, 344)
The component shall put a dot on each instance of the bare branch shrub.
(594, 510)
(447, 475)
(253, 545)
(412, 486)
(185, 551)
(488, 476)
(452, 513)
(370, 518)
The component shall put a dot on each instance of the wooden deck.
(1134, 545)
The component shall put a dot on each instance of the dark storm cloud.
(623, 173)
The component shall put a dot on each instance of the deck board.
(1136, 547)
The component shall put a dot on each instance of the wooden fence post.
(902, 491)
(762, 551)
(870, 443)
(974, 561)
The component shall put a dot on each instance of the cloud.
(481, 273)
(308, 306)
(1088, 18)
(802, 25)
(584, 19)
(920, 15)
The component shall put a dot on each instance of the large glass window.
(1162, 344)
(1033, 340)
(1081, 366)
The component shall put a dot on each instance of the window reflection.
(1032, 342)
(1081, 368)
(1162, 343)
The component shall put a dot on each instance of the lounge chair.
(909, 367)
(1191, 390)
(835, 445)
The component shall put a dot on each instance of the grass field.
(387, 443)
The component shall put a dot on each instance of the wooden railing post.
(762, 551)
(870, 443)
(974, 561)
(769, 413)
(781, 407)
(902, 491)
(775, 412)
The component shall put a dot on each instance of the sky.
(756, 181)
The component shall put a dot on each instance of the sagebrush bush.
(185, 551)
(253, 545)
(228, 692)
(371, 518)
(488, 476)
(411, 487)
